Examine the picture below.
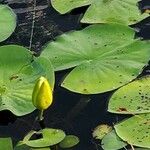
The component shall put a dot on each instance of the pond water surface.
(74, 113)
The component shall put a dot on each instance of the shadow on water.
(75, 113)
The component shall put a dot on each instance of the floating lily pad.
(135, 130)
(112, 142)
(105, 57)
(7, 22)
(103, 11)
(17, 78)
(49, 137)
(132, 98)
(6, 144)
(25, 147)
(69, 141)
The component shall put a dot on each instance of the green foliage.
(7, 22)
(133, 98)
(25, 147)
(69, 141)
(112, 142)
(49, 137)
(103, 11)
(6, 144)
(135, 130)
(18, 74)
(105, 57)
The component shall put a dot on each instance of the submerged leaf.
(69, 141)
(105, 57)
(133, 98)
(104, 11)
(7, 22)
(101, 130)
(112, 142)
(135, 130)
(17, 78)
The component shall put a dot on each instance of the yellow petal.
(42, 94)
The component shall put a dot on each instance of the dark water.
(75, 113)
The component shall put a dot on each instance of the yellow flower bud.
(42, 96)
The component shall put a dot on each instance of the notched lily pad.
(7, 22)
(135, 130)
(49, 137)
(17, 78)
(104, 11)
(105, 57)
(133, 98)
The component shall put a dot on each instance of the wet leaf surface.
(102, 61)
(104, 11)
(133, 98)
(135, 130)
(17, 78)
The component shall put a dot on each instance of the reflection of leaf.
(6, 144)
(7, 22)
(135, 130)
(18, 76)
(132, 98)
(103, 11)
(105, 57)
(49, 137)
(69, 141)
(112, 142)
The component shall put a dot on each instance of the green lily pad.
(112, 142)
(6, 144)
(69, 141)
(101, 130)
(18, 76)
(7, 22)
(105, 57)
(104, 11)
(49, 137)
(135, 130)
(133, 98)
(25, 147)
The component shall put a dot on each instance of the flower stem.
(40, 117)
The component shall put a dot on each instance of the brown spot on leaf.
(121, 109)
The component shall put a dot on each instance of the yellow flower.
(42, 96)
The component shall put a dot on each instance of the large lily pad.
(7, 22)
(17, 78)
(135, 130)
(132, 98)
(105, 57)
(103, 11)
(49, 137)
